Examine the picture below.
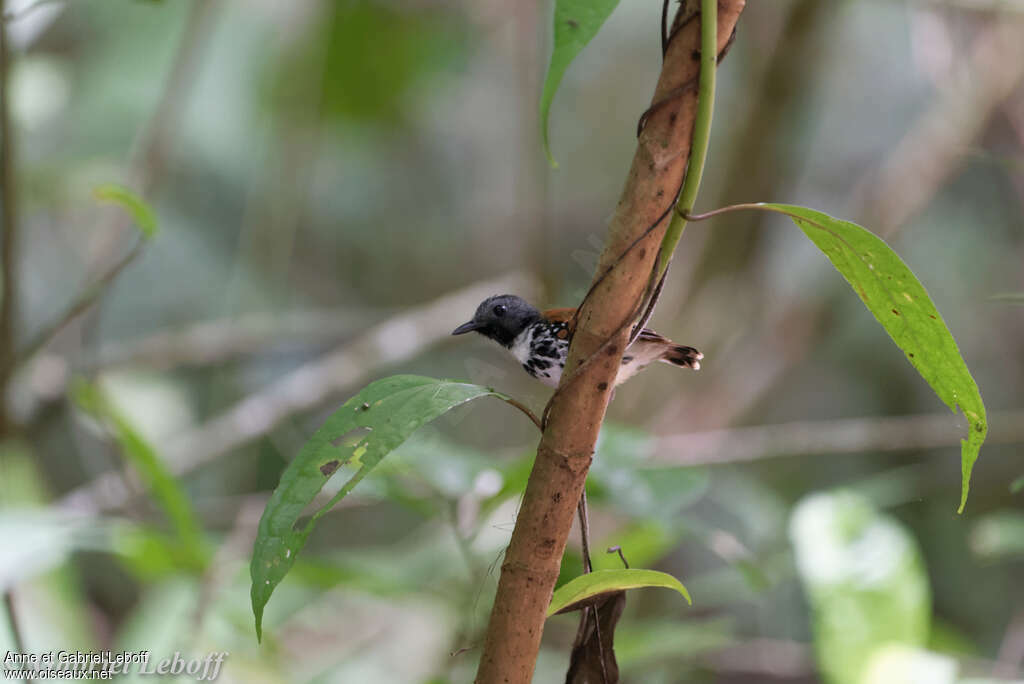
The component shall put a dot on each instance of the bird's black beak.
(464, 328)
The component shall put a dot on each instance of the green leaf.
(390, 409)
(1017, 486)
(897, 299)
(140, 212)
(576, 23)
(600, 582)
(152, 554)
(376, 54)
(162, 484)
(865, 581)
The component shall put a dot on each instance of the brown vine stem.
(574, 418)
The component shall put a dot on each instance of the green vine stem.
(701, 134)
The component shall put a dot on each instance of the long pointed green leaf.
(601, 582)
(576, 23)
(899, 301)
(164, 487)
(391, 409)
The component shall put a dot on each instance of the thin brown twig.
(673, 95)
(15, 625)
(85, 299)
(652, 301)
(584, 531)
(690, 216)
(664, 28)
(525, 409)
(589, 611)
(622, 556)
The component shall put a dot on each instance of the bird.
(539, 340)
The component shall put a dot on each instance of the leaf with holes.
(589, 588)
(576, 23)
(899, 301)
(390, 410)
(141, 213)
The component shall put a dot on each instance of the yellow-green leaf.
(593, 584)
(141, 213)
(892, 292)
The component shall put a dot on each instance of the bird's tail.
(682, 356)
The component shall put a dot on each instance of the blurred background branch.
(145, 171)
(397, 339)
(939, 141)
(329, 179)
(822, 438)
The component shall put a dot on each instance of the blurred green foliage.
(865, 579)
(354, 160)
(367, 59)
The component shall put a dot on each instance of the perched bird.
(539, 340)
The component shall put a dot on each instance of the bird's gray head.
(501, 318)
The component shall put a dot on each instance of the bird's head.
(501, 318)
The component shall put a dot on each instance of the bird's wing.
(648, 335)
(566, 314)
(563, 315)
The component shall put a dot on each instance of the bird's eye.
(500, 310)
